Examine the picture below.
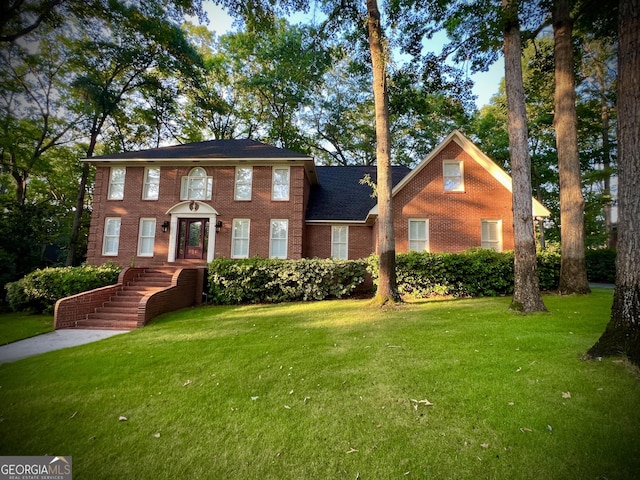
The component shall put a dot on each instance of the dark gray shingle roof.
(341, 196)
(228, 149)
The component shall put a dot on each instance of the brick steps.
(121, 310)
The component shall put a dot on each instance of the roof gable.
(476, 154)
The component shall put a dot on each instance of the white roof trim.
(335, 222)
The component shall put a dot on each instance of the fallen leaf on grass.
(188, 382)
(566, 394)
(352, 450)
(287, 407)
(122, 418)
(74, 414)
(484, 445)
(525, 429)
(157, 434)
(255, 398)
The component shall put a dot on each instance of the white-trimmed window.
(151, 187)
(146, 237)
(280, 183)
(116, 183)
(453, 176)
(492, 234)
(111, 236)
(340, 242)
(419, 235)
(240, 238)
(244, 180)
(197, 185)
(278, 238)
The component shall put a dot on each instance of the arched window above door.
(197, 185)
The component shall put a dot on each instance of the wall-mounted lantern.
(219, 225)
(165, 226)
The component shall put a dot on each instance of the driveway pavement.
(55, 340)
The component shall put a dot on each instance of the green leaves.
(41, 289)
(259, 280)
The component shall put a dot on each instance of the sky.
(486, 84)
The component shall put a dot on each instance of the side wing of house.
(455, 199)
(337, 221)
(189, 204)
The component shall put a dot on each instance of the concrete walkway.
(56, 340)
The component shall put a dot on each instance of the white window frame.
(458, 179)
(239, 239)
(111, 238)
(340, 242)
(145, 237)
(413, 241)
(277, 241)
(276, 186)
(116, 193)
(187, 185)
(485, 234)
(151, 189)
(242, 185)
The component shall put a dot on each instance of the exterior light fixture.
(165, 226)
(219, 225)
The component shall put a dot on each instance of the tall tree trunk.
(387, 283)
(77, 217)
(622, 335)
(573, 266)
(526, 292)
(82, 189)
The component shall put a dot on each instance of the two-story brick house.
(165, 213)
(188, 204)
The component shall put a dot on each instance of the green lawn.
(16, 326)
(336, 390)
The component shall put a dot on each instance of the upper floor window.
(146, 237)
(116, 183)
(151, 187)
(419, 235)
(280, 183)
(111, 238)
(278, 238)
(244, 178)
(492, 234)
(452, 173)
(340, 242)
(240, 238)
(197, 185)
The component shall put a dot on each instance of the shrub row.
(475, 273)
(41, 289)
(259, 280)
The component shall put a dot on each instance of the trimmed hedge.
(41, 289)
(475, 273)
(259, 280)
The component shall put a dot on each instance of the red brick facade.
(259, 210)
(454, 219)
